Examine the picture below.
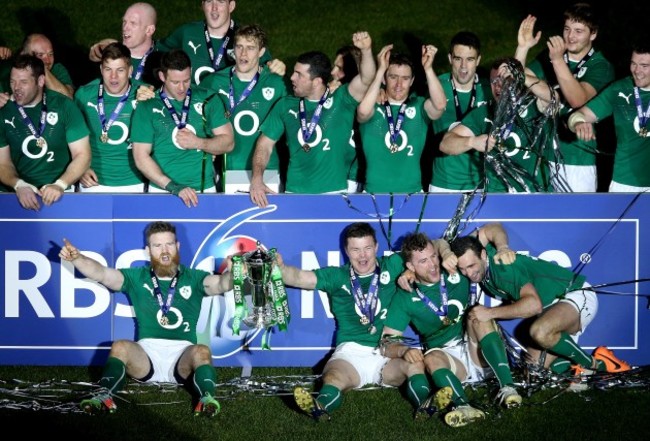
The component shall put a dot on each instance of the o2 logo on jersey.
(175, 133)
(214, 327)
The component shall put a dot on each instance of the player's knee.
(204, 352)
(120, 349)
(435, 360)
(542, 334)
(415, 368)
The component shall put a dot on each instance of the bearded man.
(166, 297)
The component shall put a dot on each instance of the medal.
(227, 114)
(101, 114)
(446, 321)
(394, 128)
(164, 304)
(37, 134)
(308, 129)
(366, 303)
(643, 132)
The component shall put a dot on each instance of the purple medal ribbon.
(393, 128)
(182, 121)
(137, 74)
(366, 304)
(643, 116)
(116, 112)
(444, 299)
(216, 61)
(164, 307)
(30, 125)
(245, 93)
(308, 130)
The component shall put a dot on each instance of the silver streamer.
(539, 134)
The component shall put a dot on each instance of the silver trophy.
(259, 264)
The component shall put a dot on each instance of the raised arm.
(216, 284)
(360, 83)
(366, 108)
(448, 258)
(109, 277)
(525, 38)
(437, 102)
(541, 89)
(495, 234)
(575, 92)
(296, 277)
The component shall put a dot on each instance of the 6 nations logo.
(215, 322)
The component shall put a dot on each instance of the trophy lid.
(258, 256)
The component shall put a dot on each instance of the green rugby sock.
(113, 375)
(569, 349)
(560, 365)
(417, 389)
(205, 380)
(444, 377)
(330, 397)
(494, 352)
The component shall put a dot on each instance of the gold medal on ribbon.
(446, 321)
(164, 320)
(227, 114)
(364, 320)
(394, 148)
(104, 137)
(306, 147)
(40, 142)
(643, 132)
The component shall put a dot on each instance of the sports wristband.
(22, 183)
(61, 184)
(174, 188)
(575, 119)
